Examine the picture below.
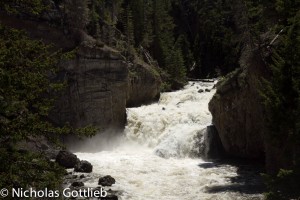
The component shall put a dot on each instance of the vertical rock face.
(238, 112)
(97, 89)
(213, 148)
(99, 86)
(143, 85)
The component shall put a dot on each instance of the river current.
(157, 156)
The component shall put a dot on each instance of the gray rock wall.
(99, 85)
(96, 93)
(143, 85)
(238, 112)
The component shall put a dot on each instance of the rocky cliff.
(99, 84)
(96, 91)
(238, 111)
(144, 84)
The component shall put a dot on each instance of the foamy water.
(156, 160)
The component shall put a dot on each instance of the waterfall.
(158, 157)
(172, 125)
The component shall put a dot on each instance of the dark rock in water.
(207, 90)
(83, 166)
(163, 108)
(77, 184)
(82, 176)
(68, 173)
(74, 176)
(213, 148)
(200, 91)
(106, 181)
(110, 197)
(207, 165)
(66, 159)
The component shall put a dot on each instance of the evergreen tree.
(77, 13)
(282, 99)
(26, 97)
(128, 26)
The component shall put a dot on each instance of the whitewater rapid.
(157, 159)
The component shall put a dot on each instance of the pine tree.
(77, 13)
(128, 26)
(26, 98)
(282, 100)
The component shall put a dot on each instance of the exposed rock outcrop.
(97, 89)
(143, 84)
(238, 112)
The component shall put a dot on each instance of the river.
(157, 156)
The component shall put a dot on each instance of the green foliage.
(26, 97)
(25, 68)
(77, 13)
(20, 169)
(283, 186)
(282, 101)
(34, 7)
(128, 26)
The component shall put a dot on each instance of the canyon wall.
(238, 111)
(99, 84)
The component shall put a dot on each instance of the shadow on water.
(248, 180)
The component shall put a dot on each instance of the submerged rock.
(83, 166)
(200, 91)
(82, 176)
(66, 159)
(77, 184)
(110, 197)
(106, 181)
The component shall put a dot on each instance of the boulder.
(110, 197)
(200, 91)
(106, 181)
(207, 90)
(66, 159)
(82, 176)
(83, 166)
(77, 184)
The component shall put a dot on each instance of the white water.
(154, 161)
